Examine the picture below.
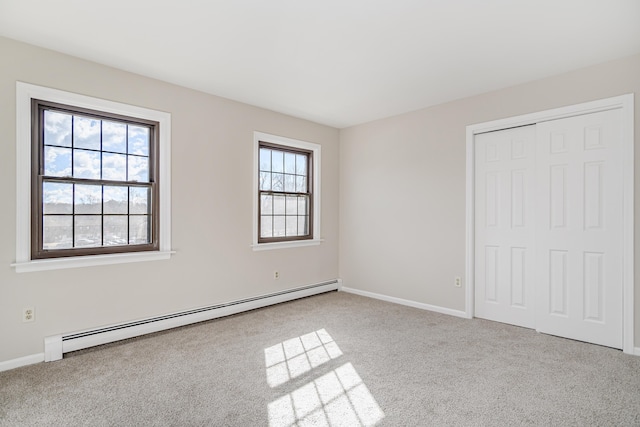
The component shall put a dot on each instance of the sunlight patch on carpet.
(292, 358)
(337, 398)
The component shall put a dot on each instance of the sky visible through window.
(89, 214)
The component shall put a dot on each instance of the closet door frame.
(626, 104)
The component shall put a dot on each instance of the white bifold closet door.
(579, 228)
(549, 227)
(505, 226)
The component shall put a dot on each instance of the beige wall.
(212, 209)
(402, 201)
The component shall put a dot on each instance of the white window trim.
(25, 92)
(294, 143)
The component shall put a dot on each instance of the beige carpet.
(333, 359)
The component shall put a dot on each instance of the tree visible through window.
(94, 184)
(285, 199)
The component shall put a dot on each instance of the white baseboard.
(21, 361)
(429, 307)
(414, 304)
(56, 345)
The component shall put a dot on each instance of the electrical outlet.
(28, 314)
(458, 282)
(276, 275)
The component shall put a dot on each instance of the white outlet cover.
(28, 314)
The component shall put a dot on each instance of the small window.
(285, 196)
(94, 182)
(286, 209)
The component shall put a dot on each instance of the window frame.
(38, 178)
(309, 193)
(293, 145)
(25, 261)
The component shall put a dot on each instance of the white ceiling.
(336, 62)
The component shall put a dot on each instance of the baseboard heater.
(55, 346)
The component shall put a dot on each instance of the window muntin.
(285, 200)
(94, 182)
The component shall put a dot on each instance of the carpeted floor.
(332, 359)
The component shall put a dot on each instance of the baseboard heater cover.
(55, 346)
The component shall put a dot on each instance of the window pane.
(57, 198)
(86, 164)
(57, 232)
(290, 183)
(303, 222)
(114, 137)
(278, 205)
(138, 169)
(114, 167)
(105, 198)
(115, 230)
(115, 200)
(57, 128)
(292, 205)
(265, 181)
(277, 182)
(302, 205)
(57, 161)
(301, 184)
(265, 159)
(266, 226)
(266, 204)
(86, 133)
(138, 230)
(277, 161)
(292, 225)
(88, 199)
(278, 226)
(139, 200)
(88, 231)
(289, 163)
(138, 140)
(301, 164)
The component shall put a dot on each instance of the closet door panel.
(504, 224)
(579, 228)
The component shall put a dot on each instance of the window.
(287, 192)
(94, 184)
(285, 198)
(93, 181)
